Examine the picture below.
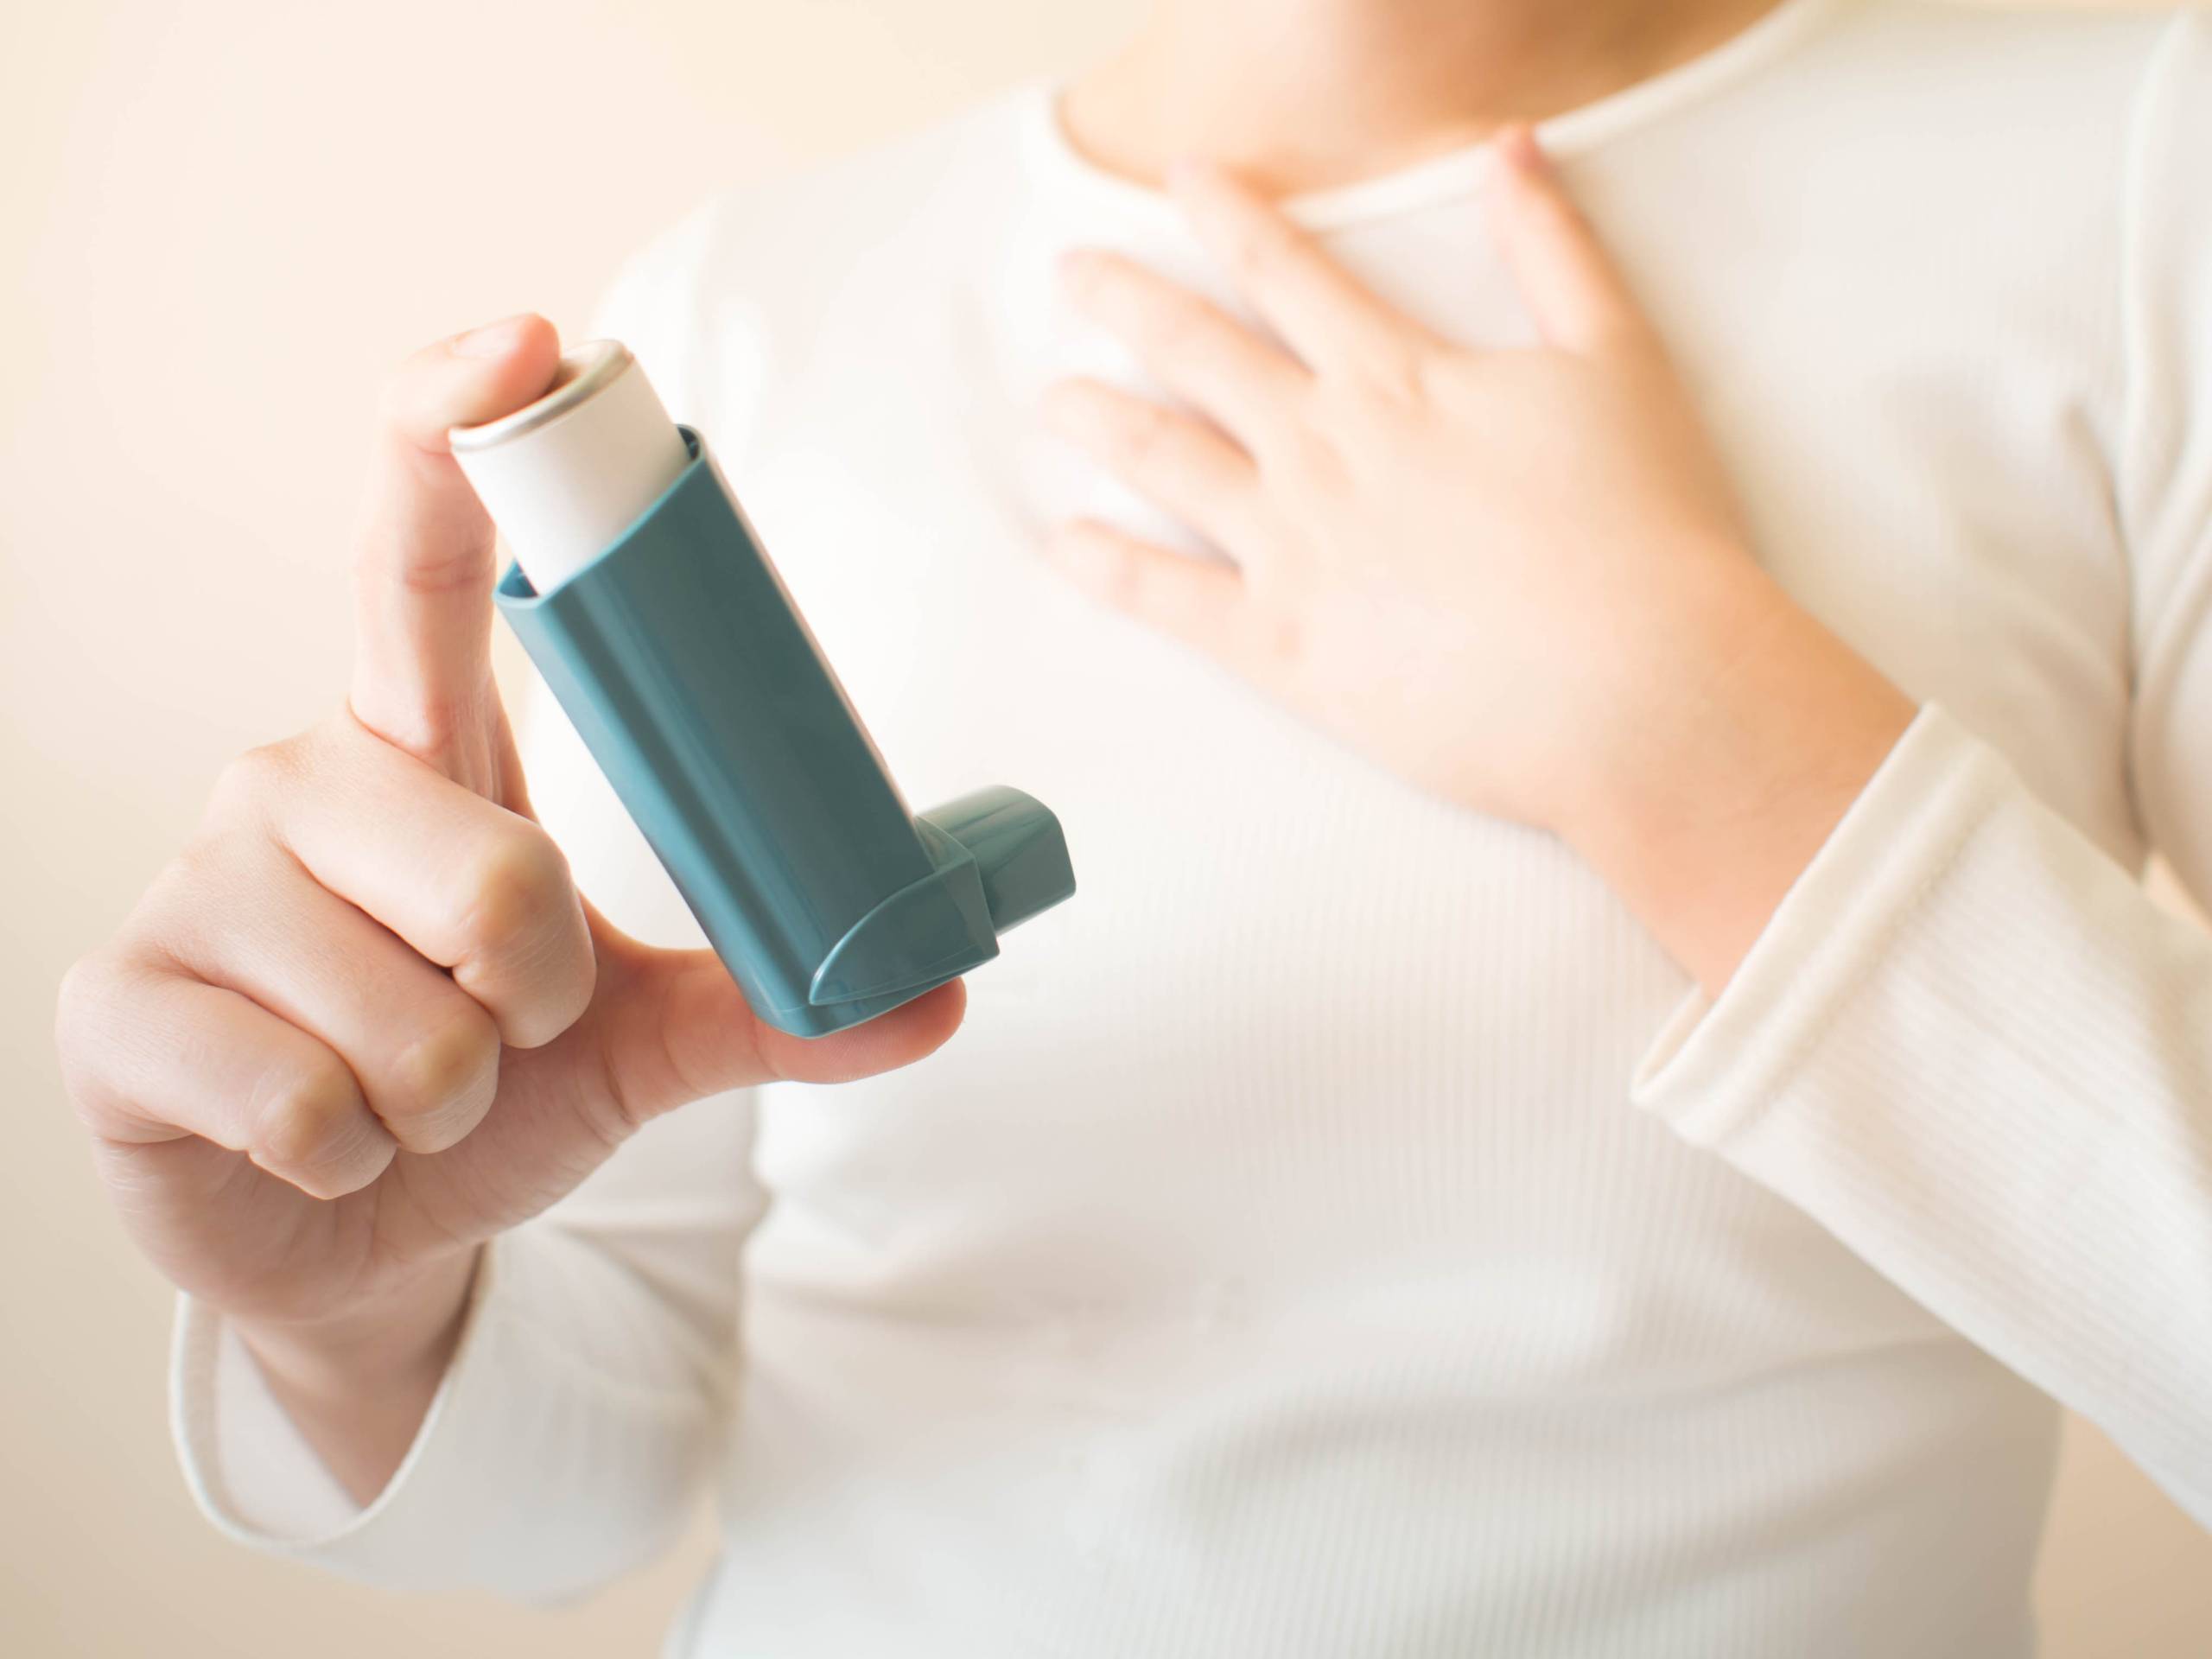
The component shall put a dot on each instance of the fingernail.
(493, 339)
(1518, 145)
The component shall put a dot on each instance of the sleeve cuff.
(1719, 1062)
(253, 1474)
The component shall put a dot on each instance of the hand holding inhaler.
(365, 1023)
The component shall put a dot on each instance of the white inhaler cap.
(564, 477)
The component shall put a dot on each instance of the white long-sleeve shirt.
(1340, 1230)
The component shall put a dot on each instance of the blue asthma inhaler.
(645, 600)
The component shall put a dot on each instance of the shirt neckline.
(1453, 173)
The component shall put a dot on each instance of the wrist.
(358, 1379)
(1737, 744)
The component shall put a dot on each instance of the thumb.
(676, 1028)
(423, 559)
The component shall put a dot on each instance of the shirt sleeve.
(570, 1437)
(1968, 1043)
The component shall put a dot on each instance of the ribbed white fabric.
(1340, 1229)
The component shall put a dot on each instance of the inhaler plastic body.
(641, 594)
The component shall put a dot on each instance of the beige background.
(219, 222)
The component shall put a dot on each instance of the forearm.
(358, 1383)
(1971, 1046)
(1736, 750)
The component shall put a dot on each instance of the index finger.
(422, 566)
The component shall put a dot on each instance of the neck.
(1305, 94)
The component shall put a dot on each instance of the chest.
(1297, 1011)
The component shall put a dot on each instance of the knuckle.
(91, 1006)
(315, 1130)
(87, 992)
(1308, 461)
(212, 887)
(445, 1076)
(515, 884)
(310, 1124)
(249, 782)
(1397, 378)
(1144, 438)
(1273, 635)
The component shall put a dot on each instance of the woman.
(1610, 1064)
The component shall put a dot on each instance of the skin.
(1346, 89)
(365, 1023)
(1515, 577)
